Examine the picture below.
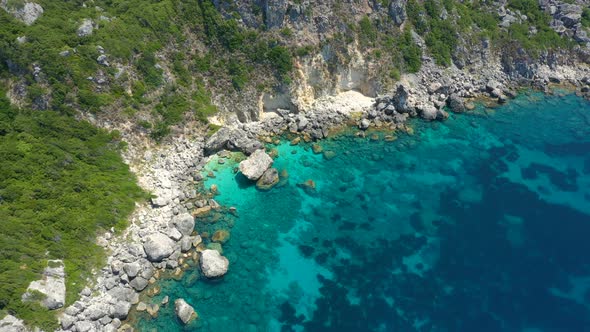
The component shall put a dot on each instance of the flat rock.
(52, 286)
(213, 264)
(158, 246)
(256, 164)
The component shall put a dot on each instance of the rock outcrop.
(158, 246)
(213, 264)
(256, 164)
(52, 287)
(185, 312)
(27, 13)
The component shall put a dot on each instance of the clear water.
(480, 223)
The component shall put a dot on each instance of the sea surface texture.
(478, 223)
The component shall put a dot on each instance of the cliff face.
(169, 63)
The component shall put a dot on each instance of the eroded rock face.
(27, 13)
(397, 11)
(213, 264)
(52, 286)
(184, 311)
(158, 246)
(255, 165)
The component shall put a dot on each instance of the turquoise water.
(480, 223)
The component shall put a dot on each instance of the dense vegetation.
(61, 181)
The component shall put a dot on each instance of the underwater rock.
(316, 148)
(213, 264)
(329, 154)
(309, 186)
(268, 179)
(184, 311)
(220, 236)
(256, 164)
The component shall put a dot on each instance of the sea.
(477, 223)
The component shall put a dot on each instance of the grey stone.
(158, 246)
(120, 310)
(132, 269)
(139, 283)
(185, 223)
(12, 324)
(256, 164)
(52, 286)
(184, 311)
(213, 264)
(85, 29)
(66, 321)
(83, 326)
(27, 13)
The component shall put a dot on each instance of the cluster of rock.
(161, 236)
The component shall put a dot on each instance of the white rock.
(256, 164)
(213, 264)
(52, 286)
(28, 13)
(185, 223)
(12, 324)
(158, 246)
(184, 311)
(86, 28)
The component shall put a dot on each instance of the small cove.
(474, 224)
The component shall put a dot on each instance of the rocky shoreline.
(160, 236)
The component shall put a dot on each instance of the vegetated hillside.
(157, 64)
(61, 181)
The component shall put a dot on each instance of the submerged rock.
(220, 236)
(158, 246)
(256, 164)
(268, 179)
(184, 311)
(213, 264)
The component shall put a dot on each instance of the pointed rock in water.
(184, 311)
(213, 264)
(158, 246)
(52, 286)
(268, 180)
(256, 164)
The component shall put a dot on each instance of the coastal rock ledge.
(256, 165)
(184, 311)
(213, 264)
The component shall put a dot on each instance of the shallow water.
(480, 223)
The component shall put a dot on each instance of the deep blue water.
(480, 223)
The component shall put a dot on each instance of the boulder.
(232, 139)
(213, 264)
(184, 311)
(158, 246)
(132, 269)
(52, 286)
(456, 103)
(256, 164)
(268, 179)
(364, 124)
(139, 283)
(85, 29)
(185, 223)
(120, 310)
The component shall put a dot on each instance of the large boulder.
(213, 264)
(27, 13)
(184, 311)
(256, 164)
(232, 139)
(456, 103)
(158, 246)
(185, 223)
(52, 286)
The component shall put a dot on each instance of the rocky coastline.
(160, 238)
